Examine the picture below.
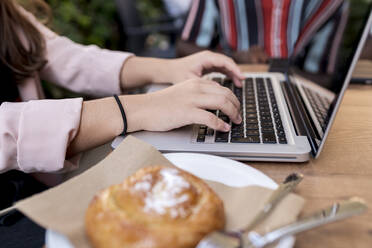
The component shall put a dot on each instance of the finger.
(237, 82)
(211, 120)
(225, 65)
(211, 87)
(219, 102)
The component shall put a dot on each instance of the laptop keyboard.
(320, 106)
(261, 118)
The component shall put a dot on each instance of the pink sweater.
(34, 134)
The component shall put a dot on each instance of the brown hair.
(19, 61)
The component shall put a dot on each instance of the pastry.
(157, 207)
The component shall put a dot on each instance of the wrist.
(158, 71)
(138, 71)
(134, 109)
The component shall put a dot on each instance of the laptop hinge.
(302, 123)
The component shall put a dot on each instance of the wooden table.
(343, 169)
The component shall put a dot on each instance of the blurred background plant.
(94, 22)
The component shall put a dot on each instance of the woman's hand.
(176, 106)
(138, 71)
(196, 65)
(182, 104)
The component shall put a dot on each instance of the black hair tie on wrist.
(122, 115)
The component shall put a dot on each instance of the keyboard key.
(258, 93)
(250, 110)
(264, 108)
(200, 138)
(268, 138)
(249, 81)
(252, 126)
(253, 133)
(237, 134)
(259, 81)
(202, 131)
(251, 121)
(279, 125)
(250, 139)
(265, 113)
(266, 118)
(266, 124)
(282, 140)
(237, 126)
(280, 132)
(210, 132)
(267, 129)
(222, 136)
(251, 115)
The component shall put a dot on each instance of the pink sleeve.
(34, 135)
(85, 69)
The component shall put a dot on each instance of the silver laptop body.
(305, 107)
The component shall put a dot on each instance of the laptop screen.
(322, 57)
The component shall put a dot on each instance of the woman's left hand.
(194, 66)
(138, 71)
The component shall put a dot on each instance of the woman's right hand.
(182, 104)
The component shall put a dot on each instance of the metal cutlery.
(233, 239)
(337, 211)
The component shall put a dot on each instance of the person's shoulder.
(46, 32)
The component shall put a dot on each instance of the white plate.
(214, 168)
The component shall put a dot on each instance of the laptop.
(287, 115)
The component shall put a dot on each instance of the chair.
(136, 32)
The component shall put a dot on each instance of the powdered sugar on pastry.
(144, 184)
(165, 194)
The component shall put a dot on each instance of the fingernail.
(240, 119)
(226, 127)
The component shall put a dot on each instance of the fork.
(337, 211)
(233, 239)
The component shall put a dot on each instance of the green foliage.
(92, 22)
(86, 21)
(150, 10)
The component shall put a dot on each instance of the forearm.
(139, 71)
(100, 122)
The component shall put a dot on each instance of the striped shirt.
(281, 27)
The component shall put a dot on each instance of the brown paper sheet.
(62, 208)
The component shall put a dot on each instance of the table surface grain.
(343, 169)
